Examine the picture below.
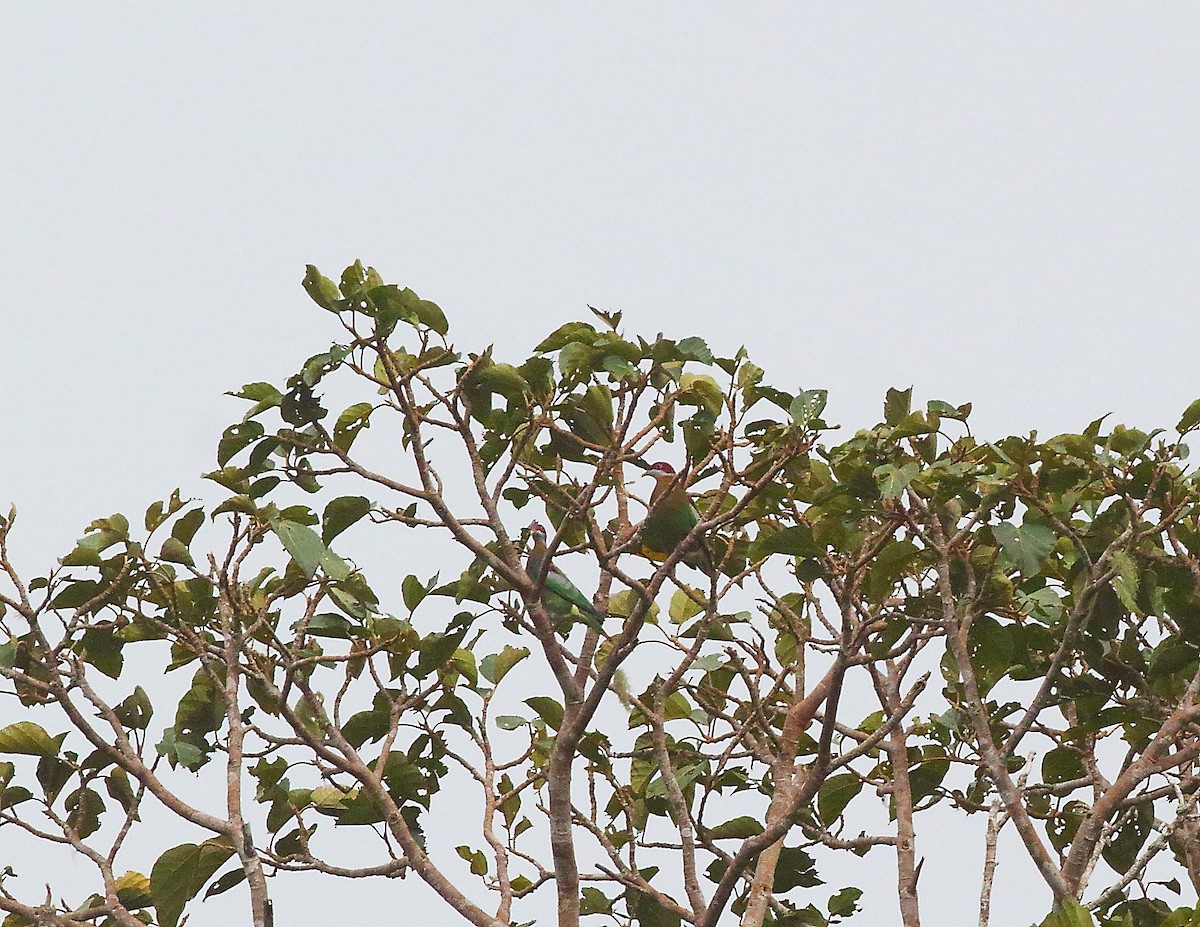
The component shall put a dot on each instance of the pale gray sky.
(993, 203)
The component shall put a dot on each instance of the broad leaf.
(835, 794)
(180, 873)
(495, 666)
(30, 739)
(308, 551)
(341, 513)
(1026, 547)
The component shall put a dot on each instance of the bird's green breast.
(668, 524)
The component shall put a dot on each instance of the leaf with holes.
(1026, 547)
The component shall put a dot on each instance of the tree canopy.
(815, 639)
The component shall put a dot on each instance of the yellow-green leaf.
(29, 739)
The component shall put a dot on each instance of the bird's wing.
(558, 584)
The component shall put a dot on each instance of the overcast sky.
(996, 203)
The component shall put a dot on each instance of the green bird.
(560, 597)
(671, 517)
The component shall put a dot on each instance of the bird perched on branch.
(671, 517)
(560, 597)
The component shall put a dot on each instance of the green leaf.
(808, 405)
(53, 774)
(1122, 850)
(175, 551)
(300, 405)
(1026, 547)
(84, 807)
(991, 647)
(648, 911)
(115, 527)
(12, 795)
(1190, 418)
(238, 503)
(413, 591)
(749, 375)
(233, 877)
(496, 665)
(566, 334)
(594, 901)
(237, 438)
(366, 725)
(180, 873)
(737, 829)
(29, 739)
(394, 304)
(324, 292)
(133, 890)
(698, 433)
(180, 751)
(701, 390)
(943, 409)
(597, 403)
(796, 870)
(1069, 913)
(548, 710)
(696, 349)
(894, 480)
(625, 602)
(676, 708)
(797, 541)
(341, 513)
(1062, 764)
(1180, 917)
(504, 379)
(118, 787)
(1125, 583)
(436, 650)
(263, 395)
(835, 794)
(136, 710)
(306, 548)
(510, 722)
(350, 423)
(187, 525)
(477, 860)
(329, 624)
(897, 405)
(102, 649)
(845, 902)
(686, 603)
(431, 316)
(926, 777)
(390, 305)
(77, 594)
(83, 555)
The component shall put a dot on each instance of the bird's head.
(537, 532)
(660, 469)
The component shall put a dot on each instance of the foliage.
(1020, 620)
